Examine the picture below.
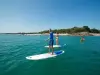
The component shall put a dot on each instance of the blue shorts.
(51, 42)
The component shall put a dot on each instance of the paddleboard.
(45, 55)
(55, 46)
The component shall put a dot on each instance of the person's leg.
(49, 49)
(52, 47)
(52, 50)
(57, 41)
(50, 43)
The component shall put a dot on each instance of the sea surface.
(80, 58)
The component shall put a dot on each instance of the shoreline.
(73, 34)
(61, 34)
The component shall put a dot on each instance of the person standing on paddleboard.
(51, 40)
(57, 36)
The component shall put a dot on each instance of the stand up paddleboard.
(45, 55)
(55, 46)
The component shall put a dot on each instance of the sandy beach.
(47, 34)
(62, 34)
(66, 34)
(95, 34)
(76, 34)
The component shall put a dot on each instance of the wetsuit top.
(51, 35)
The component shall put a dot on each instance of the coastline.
(61, 34)
(66, 34)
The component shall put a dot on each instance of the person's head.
(50, 30)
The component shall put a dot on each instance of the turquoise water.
(78, 59)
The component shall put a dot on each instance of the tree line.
(74, 30)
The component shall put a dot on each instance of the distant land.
(74, 31)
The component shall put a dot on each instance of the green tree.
(87, 28)
(94, 30)
(74, 30)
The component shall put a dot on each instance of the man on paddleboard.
(51, 40)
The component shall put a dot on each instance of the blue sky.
(37, 15)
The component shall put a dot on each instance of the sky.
(38, 15)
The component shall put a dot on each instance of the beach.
(60, 34)
(66, 34)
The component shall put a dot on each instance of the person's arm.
(48, 38)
